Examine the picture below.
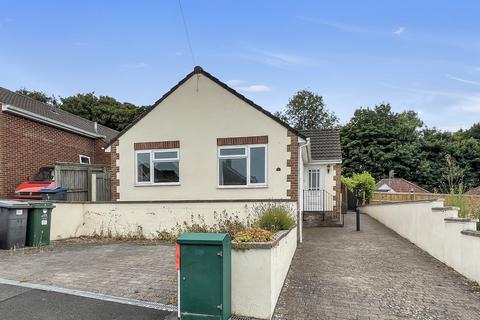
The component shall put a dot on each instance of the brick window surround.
(156, 145)
(292, 163)
(242, 140)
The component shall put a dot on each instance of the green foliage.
(38, 95)
(362, 184)
(379, 140)
(275, 218)
(103, 109)
(253, 235)
(306, 110)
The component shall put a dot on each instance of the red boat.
(42, 182)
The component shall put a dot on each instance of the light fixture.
(328, 168)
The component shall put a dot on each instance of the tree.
(452, 176)
(306, 110)
(38, 95)
(379, 140)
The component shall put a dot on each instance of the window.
(84, 159)
(242, 166)
(157, 167)
(314, 179)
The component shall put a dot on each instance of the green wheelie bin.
(38, 225)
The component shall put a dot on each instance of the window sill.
(242, 187)
(158, 184)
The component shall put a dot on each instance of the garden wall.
(74, 219)
(435, 229)
(258, 273)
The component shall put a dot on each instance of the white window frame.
(246, 156)
(84, 156)
(152, 165)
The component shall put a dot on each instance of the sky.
(416, 55)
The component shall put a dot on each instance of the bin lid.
(203, 238)
(14, 204)
(42, 205)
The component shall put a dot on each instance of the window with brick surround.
(242, 166)
(157, 167)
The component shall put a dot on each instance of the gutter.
(54, 123)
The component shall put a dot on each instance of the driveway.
(339, 273)
(142, 270)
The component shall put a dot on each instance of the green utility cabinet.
(39, 223)
(205, 262)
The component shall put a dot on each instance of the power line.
(186, 32)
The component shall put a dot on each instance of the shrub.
(253, 235)
(275, 218)
(361, 184)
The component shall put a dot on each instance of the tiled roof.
(324, 143)
(474, 191)
(401, 185)
(54, 113)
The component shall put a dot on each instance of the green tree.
(103, 109)
(38, 95)
(379, 140)
(306, 110)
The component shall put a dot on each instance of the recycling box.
(204, 269)
(13, 224)
(39, 223)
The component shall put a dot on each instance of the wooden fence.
(469, 204)
(84, 182)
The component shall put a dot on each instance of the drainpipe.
(300, 191)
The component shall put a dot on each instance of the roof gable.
(199, 70)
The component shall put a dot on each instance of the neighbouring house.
(473, 191)
(399, 185)
(203, 141)
(34, 134)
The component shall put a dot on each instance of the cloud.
(399, 31)
(337, 25)
(255, 88)
(235, 82)
(476, 83)
(242, 85)
(277, 59)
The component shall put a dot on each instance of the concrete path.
(30, 304)
(339, 273)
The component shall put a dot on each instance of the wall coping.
(261, 245)
(400, 202)
(445, 208)
(472, 233)
(175, 201)
(461, 220)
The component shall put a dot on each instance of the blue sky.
(418, 55)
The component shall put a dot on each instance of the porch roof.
(324, 144)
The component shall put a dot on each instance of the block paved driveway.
(338, 273)
(142, 270)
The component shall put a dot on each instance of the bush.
(253, 235)
(361, 184)
(275, 218)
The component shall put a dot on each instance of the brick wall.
(27, 145)
(115, 182)
(292, 177)
(338, 191)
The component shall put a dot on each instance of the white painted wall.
(424, 224)
(258, 276)
(196, 114)
(124, 218)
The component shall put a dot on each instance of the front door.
(313, 200)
